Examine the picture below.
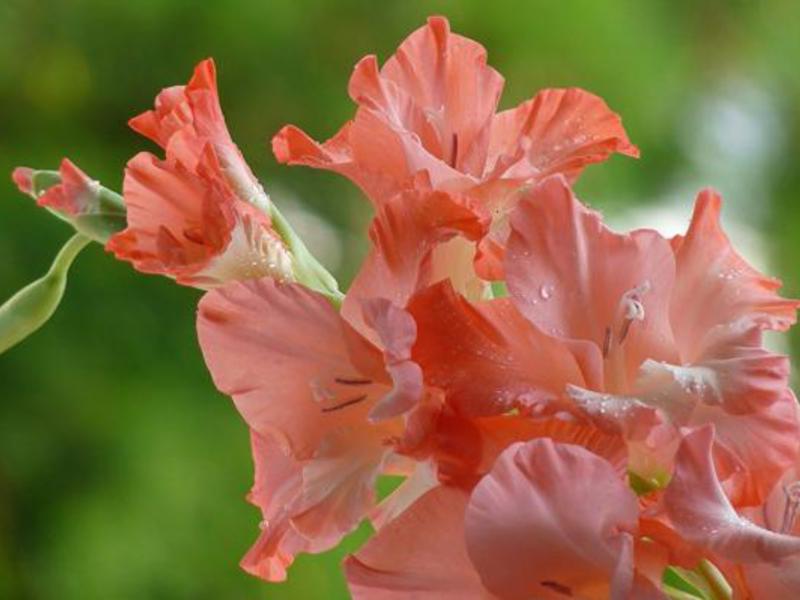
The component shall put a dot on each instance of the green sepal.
(306, 269)
(705, 582)
(31, 307)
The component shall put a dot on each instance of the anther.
(344, 404)
(352, 381)
(607, 342)
(454, 150)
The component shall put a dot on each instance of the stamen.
(632, 308)
(792, 493)
(454, 150)
(195, 234)
(559, 588)
(607, 342)
(352, 381)
(345, 404)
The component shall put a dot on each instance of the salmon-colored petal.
(715, 287)
(767, 581)
(185, 118)
(448, 78)
(530, 531)
(191, 226)
(75, 195)
(174, 223)
(280, 351)
(199, 216)
(485, 356)
(338, 483)
(701, 512)
(294, 147)
(23, 179)
(397, 332)
(558, 131)
(751, 452)
(576, 279)
(420, 554)
(277, 486)
(740, 378)
(407, 235)
(466, 449)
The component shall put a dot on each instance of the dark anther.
(607, 342)
(557, 587)
(345, 404)
(454, 151)
(352, 381)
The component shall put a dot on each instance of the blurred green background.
(122, 470)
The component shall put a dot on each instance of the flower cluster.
(576, 413)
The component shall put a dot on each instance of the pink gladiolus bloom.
(200, 215)
(328, 391)
(321, 399)
(758, 549)
(521, 530)
(639, 334)
(670, 331)
(428, 118)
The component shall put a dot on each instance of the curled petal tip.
(23, 178)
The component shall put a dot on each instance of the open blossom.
(428, 118)
(666, 334)
(199, 215)
(523, 529)
(329, 395)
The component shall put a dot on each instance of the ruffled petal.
(702, 513)
(418, 555)
(407, 236)
(715, 287)
(576, 279)
(558, 131)
(529, 529)
(280, 351)
(397, 332)
(751, 452)
(191, 226)
(338, 483)
(277, 486)
(485, 356)
(75, 195)
(448, 78)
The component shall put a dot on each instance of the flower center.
(629, 310)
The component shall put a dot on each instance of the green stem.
(31, 307)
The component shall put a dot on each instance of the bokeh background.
(122, 470)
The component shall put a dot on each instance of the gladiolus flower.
(670, 328)
(200, 215)
(642, 335)
(428, 117)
